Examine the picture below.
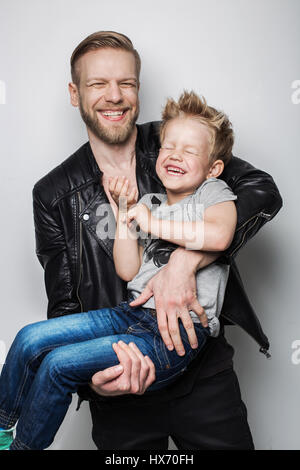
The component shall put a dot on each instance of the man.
(203, 409)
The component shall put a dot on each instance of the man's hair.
(190, 105)
(101, 40)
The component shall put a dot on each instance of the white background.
(243, 56)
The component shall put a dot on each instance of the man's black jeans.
(212, 417)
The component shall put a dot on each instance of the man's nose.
(113, 93)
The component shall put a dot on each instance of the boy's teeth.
(174, 170)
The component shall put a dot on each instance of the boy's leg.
(33, 343)
(59, 375)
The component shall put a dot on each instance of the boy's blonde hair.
(190, 105)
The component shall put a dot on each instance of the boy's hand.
(142, 215)
(119, 186)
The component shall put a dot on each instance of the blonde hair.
(190, 105)
(101, 40)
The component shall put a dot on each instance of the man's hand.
(175, 293)
(134, 374)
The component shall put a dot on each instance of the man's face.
(107, 94)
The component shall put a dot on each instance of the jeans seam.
(172, 375)
(19, 445)
(8, 419)
(155, 339)
(18, 398)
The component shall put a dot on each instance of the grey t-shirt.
(211, 280)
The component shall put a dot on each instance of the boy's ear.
(73, 90)
(216, 169)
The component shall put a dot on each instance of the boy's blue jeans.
(48, 361)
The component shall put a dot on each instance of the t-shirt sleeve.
(213, 191)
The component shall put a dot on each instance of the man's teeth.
(171, 169)
(113, 113)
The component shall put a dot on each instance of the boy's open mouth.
(174, 170)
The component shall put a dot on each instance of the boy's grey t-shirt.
(211, 280)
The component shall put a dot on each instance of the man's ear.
(74, 97)
(216, 169)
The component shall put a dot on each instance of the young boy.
(48, 360)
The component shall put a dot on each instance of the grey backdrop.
(243, 57)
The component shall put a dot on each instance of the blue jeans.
(49, 360)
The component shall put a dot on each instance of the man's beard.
(110, 135)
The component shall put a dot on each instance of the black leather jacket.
(79, 268)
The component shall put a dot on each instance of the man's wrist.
(190, 258)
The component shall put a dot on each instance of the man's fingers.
(124, 358)
(143, 297)
(144, 370)
(151, 375)
(175, 333)
(199, 310)
(135, 367)
(163, 326)
(106, 375)
(188, 324)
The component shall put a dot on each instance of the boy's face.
(183, 161)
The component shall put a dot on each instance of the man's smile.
(113, 115)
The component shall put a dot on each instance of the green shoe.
(6, 438)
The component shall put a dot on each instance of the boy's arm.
(126, 251)
(214, 233)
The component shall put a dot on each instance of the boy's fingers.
(124, 188)
(132, 195)
(112, 183)
(119, 184)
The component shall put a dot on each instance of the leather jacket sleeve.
(258, 201)
(52, 253)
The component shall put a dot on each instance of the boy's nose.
(176, 155)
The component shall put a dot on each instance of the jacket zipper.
(245, 233)
(261, 349)
(80, 252)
